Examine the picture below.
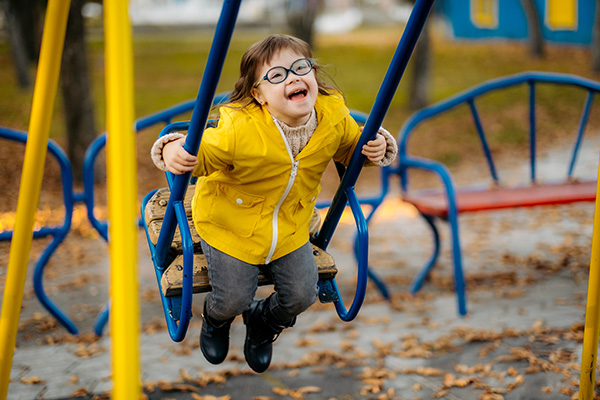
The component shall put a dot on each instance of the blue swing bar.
(330, 291)
(175, 211)
(345, 192)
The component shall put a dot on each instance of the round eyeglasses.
(300, 67)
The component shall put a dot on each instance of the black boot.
(261, 332)
(214, 339)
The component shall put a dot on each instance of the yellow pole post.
(122, 202)
(589, 353)
(44, 94)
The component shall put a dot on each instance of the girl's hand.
(177, 159)
(375, 149)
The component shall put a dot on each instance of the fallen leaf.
(80, 392)
(309, 389)
(425, 371)
(280, 391)
(307, 342)
(32, 380)
(210, 397)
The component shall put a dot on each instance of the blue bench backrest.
(469, 97)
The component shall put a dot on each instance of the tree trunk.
(17, 45)
(30, 14)
(421, 67)
(536, 40)
(76, 91)
(301, 15)
(25, 21)
(596, 40)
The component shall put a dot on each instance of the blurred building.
(562, 21)
(198, 12)
(333, 16)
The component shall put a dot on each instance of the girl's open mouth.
(298, 94)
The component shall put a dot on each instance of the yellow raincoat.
(253, 201)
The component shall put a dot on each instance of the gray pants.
(234, 284)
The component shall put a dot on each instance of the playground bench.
(447, 201)
(172, 279)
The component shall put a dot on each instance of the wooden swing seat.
(172, 278)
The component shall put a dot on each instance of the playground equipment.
(121, 178)
(121, 175)
(123, 280)
(162, 218)
(58, 233)
(35, 156)
(448, 201)
(87, 196)
(71, 198)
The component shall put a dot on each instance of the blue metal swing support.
(175, 212)
(57, 233)
(71, 197)
(201, 105)
(178, 309)
(345, 192)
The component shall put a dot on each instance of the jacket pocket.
(304, 209)
(235, 210)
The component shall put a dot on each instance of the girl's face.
(292, 100)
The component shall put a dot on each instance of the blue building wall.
(512, 22)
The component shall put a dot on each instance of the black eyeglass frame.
(287, 72)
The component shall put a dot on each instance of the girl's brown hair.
(261, 53)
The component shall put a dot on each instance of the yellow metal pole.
(589, 353)
(44, 94)
(122, 202)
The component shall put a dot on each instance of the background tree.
(421, 69)
(596, 40)
(25, 20)
(17, 46)
(536, 40)
(76, 91)
(24, 23)
(301, 15)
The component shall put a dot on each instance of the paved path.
(526, 274)
(527, 279)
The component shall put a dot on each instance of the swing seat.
(172, 278)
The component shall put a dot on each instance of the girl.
(259, 176)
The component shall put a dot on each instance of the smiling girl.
(259, 177)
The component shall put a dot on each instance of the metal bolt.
(316, 252)
(162, 203)
(179, 267)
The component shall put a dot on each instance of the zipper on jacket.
(285, 193)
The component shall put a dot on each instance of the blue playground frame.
(177, 310)
(407, 162)
(344, 196)
(58, 233)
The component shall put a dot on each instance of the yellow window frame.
(561, 14)
(484, 13)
